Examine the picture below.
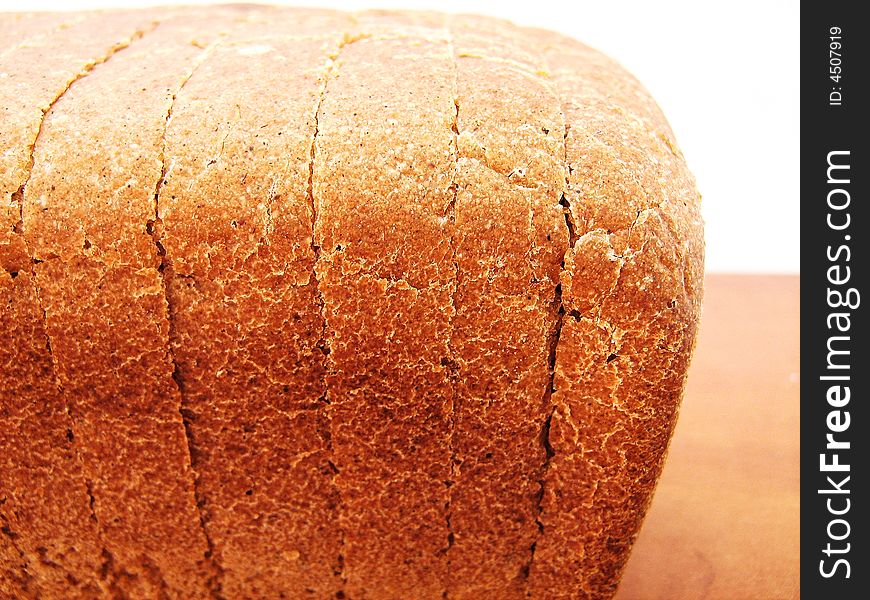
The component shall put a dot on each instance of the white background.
(725, 74)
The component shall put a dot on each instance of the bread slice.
(86, 210)
(54, 547)
(510, 238)
(384, 167)
(631, 294)
(245, 309)
(343, 306)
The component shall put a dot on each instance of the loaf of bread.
(304, 304)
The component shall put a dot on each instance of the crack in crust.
(452, 365)
(323, 341)
(555, 336)
(545, 430)
(19, 199)
(154, 228)
(621, 242)
(7, 532)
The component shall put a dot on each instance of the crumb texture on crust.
(245, 320)
(382, 173)
(307, 304)
(51, 543)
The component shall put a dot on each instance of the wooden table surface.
(724, 522)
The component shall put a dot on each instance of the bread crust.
(370, 306)
(96, 268)
(244, 305)
(55, 549)
(383, 168)
(631, 292)
(510, 240)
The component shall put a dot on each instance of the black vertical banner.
(835, 300)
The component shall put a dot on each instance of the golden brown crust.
(85, 222)
(510, 240)
(244, 124)
(383, 167)
(44, 506)
(44, 497)
(631, 292)
(426, 312)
